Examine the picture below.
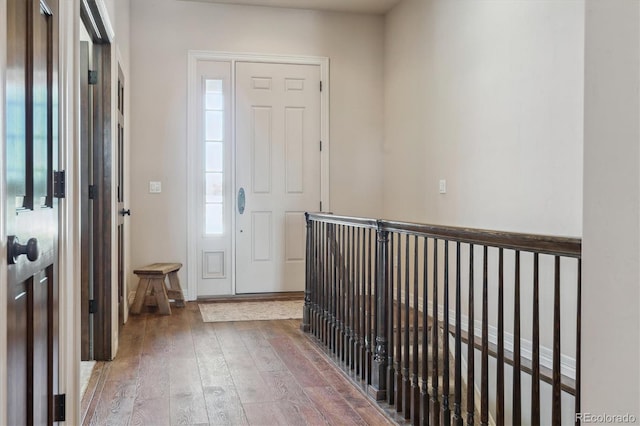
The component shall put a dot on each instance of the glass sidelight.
(214, 173)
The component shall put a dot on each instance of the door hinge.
(59, 184)
(320, 145)
(93, 77)
(93, 306)
(321, 86)
(93, 192)
(60, 407)
(320, 205)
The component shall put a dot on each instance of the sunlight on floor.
(86, 367)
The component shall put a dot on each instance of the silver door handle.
(241, 201)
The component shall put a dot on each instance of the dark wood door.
(122, 305)
(32, 211)
(86, 204)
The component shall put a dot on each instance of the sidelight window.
(214, 173)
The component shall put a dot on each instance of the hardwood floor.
(178, 370)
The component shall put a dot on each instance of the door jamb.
(97, 23)
(3, 196)
(194, 56)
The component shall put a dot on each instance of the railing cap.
(543, 244)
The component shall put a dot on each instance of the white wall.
(162, 33)
(487, 95)
(611, 244)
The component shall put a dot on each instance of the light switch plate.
(443, 186)
(155, 187)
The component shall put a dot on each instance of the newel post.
(378, 387)
(305, 326)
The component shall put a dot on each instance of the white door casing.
(278, 167)
(194, 256)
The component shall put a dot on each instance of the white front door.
(278, 170)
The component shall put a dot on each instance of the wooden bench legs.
(175, 291)
(159, 294)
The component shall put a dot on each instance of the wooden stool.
(152, 277)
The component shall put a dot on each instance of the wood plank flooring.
(177, 370)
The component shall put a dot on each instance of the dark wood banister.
(543, 244)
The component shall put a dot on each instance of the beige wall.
(487, 95)
(611, 244)
(162, 33)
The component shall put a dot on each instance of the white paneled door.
(277, 172)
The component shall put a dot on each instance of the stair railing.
(395, 304)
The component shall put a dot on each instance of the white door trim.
(3, 235)
(194, 56)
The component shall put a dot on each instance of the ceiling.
(355, 6)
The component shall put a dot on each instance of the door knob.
(15, 249)
(126, 212)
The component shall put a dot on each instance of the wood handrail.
(543, 244)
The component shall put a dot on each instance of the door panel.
(17, 352)
(32, 218)
(40, 290)
(278, 165)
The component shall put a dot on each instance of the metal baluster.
(370, 338)
(517, 390)
(362, 308)
(406, 378)
(391, 372)
(333, 288)
(424, 394)
(446, 410)
(535, 379)
(556, 410)
(457, 404)
(315, 278)
(357, 313)
(500, 358)
(484, 380)
(325, 279)
(471, 346)
(341, 287)
(435, 404)
(415, 401)
(578, 407)
(352, 295)
(345, 295)
(399, 371)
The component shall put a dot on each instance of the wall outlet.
(155, 187)
(443, 186)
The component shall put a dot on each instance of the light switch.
(443, 186)
(155, 187)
